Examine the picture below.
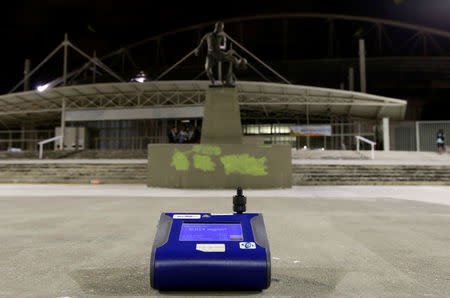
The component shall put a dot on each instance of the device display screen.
(211, 232)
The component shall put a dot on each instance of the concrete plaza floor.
(340, 241)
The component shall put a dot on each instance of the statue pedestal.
(221, 160)
(219, 166)
(222, 117)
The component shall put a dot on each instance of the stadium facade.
(114, 108)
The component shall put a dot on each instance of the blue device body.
(204, 251)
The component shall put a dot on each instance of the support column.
(307, 123)
(386, 143)
(66, 41)
(63, 106)
(362, 65)
(63, 123)
(351, 79)
(332, 133)
(417, 136)
(26, 83)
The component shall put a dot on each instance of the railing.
(372, 144)
(42, 143)
(24, 139)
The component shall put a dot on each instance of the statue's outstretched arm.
(197, 49)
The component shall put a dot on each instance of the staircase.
(74, 173)
(364, 174)
(79, 154)
(327, 154)
(310, 167)
(305, 174)
(110, 154)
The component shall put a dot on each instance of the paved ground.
(326, 241)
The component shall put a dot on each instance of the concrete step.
(73, 173)
(364, 155)
(309, 174)
(370, 174)
(80, 154)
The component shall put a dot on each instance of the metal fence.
(402, 135)
(417, 135)
(426, 134)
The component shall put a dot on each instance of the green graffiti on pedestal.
(180, 161)
(207, 149)
(204, 163)
(244, 164)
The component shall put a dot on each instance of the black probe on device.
(239, 201)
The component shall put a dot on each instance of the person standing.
(190, 133)
(440, 140)
(173, 135)
(195, 138)
(182, 136)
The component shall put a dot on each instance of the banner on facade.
(311, 130)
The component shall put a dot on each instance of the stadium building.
(350, 77)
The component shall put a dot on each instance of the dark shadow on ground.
(306, 282)
(114, 281)
(209, 293)
(134, 281)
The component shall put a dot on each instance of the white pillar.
(417, 137)
(307, 123)
(63, 123)
(386, 145)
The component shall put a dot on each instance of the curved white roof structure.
(270, 100)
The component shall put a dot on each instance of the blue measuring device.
(208, 251)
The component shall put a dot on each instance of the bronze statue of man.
(217, 52)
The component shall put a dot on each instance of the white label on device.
(186, 216)
(211, 247)
(221, 214)
(247, 245)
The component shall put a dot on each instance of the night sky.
(31, 29)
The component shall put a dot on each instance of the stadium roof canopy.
(257, 99)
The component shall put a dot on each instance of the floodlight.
(140, 78)
(42, 88)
